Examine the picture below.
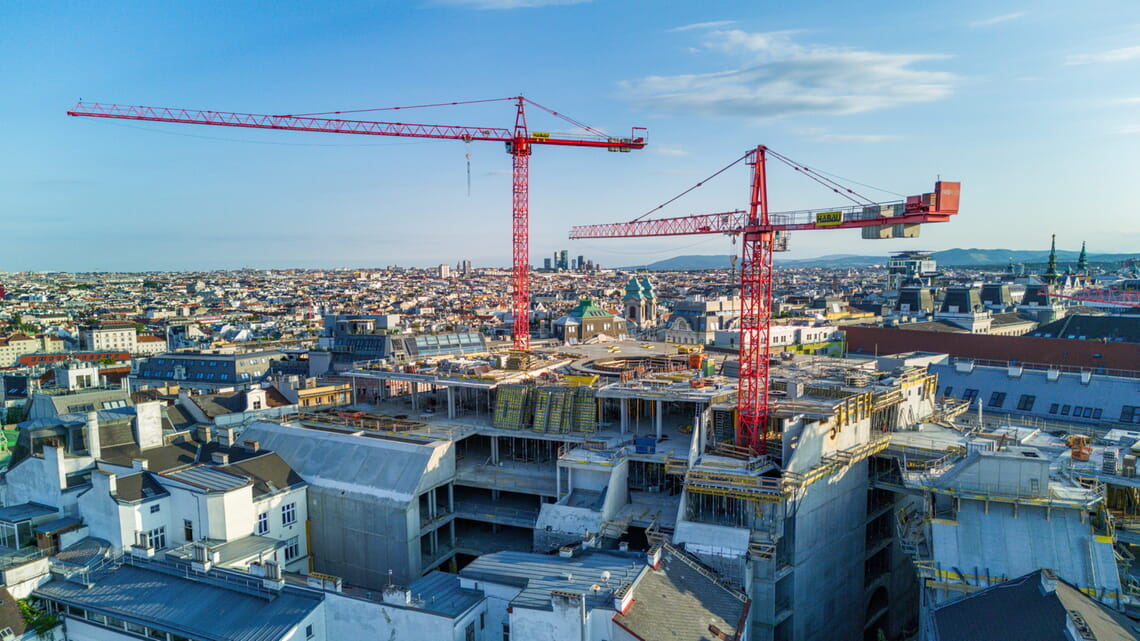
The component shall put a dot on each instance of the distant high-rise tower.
(563, 260)
(546, 264)
(445, 271)
(1051, 274)
(581, 263)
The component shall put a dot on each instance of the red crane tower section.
(763, 233)
(519, 142)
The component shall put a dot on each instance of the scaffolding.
(554, 409)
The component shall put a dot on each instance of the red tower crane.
(763, 233)
(519, 141)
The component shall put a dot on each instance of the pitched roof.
(679, 600)
(268, 471)
(1121, 329)
(1022, 609)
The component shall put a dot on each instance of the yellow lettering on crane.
(829, 218)
(541, 135)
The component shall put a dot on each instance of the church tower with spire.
(1083, 260)
(1051, 274)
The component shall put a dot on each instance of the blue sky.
(1035, 107)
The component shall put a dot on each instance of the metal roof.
(539, 574)
(25, 512)
(188, 607)
(387, 470)
(209, 478)
(440, 592)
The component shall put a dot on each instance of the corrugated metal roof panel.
(177, 605)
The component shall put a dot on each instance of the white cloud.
(854, 138)
(702, 25)
(778, 77)
(997, 19)
(508, 4)
(1114, 55)
(1129, 130)
(818, 134)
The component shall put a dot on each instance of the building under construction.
(621, 448)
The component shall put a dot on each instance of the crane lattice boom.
(764, 233)
(518, 140)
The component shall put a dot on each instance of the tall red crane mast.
(763, 233)
(519, 142)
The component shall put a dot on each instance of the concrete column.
(412, 392)
(431, 503)
(494, 450)
(451, 499)
(659, 408)
(624, 414)
(451, 402)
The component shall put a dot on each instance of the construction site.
(546, 456)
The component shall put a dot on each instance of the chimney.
(103, 482)
(140, 464)
(220, 458)
(226, 436)
(397, 594)
(92, 434)
(654, 557)
(252, 446)
(623, 597)
(204, 434)
(1048, 581)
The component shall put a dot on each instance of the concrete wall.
(36, 479)
(102, 515)
(349, 618)
(618, 494)
(828, 558)
(359, 538)
(1006, 474)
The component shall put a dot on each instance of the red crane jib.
(759, 230)
(518, 144)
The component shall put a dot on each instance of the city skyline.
(1023, 105)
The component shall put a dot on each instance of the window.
(506, 632)
(997, 399)
(949, 391)
(969, 395)
(309, 631)
(289, 514)
(292, 548)
(1097, 413)
(1088, 413)
(156, 538)
(1053, 408)
(1025, 403)
(263, 523)
(1077, 409)
(1130, 414)
(155, 508)
(469, 633)
(1065, 410)
(188, 529)
(257, 405)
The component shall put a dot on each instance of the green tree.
(36, 617)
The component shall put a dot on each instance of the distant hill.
(948, 258)
(683, 263)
